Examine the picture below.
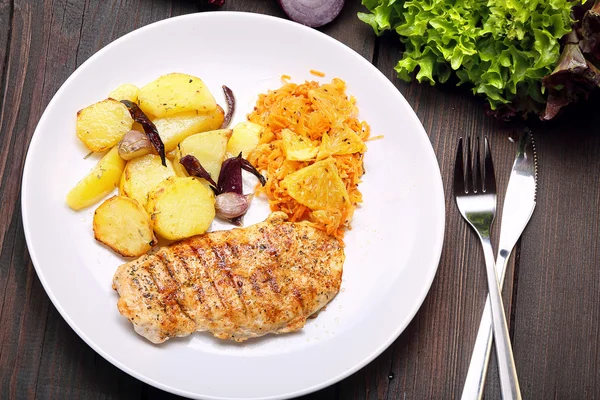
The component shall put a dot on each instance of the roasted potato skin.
(175, 93)
(101, 180)
(123, 225)
(181, 208)
(102, 125)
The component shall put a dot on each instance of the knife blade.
(519, 204)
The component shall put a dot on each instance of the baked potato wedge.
(209, 148)
(143, 174)
(175, 93)
(101, 180)
(181, 208)
(175, 128)
(126, 91)
(101, 125)
(123, 225)
(244, 139)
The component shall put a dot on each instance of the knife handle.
(475, 381)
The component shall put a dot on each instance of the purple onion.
(313, 13)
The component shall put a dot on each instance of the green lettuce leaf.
(500, 48)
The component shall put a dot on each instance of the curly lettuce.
(576, 75)
(502, 48)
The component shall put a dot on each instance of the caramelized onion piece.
(149, 128)
(230, 204)
(230, 177)
(230, 106)
(250, 168)
(194, 168)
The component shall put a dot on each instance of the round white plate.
(392, 252)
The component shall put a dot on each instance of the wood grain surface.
(552, 293)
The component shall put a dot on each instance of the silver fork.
(475, 194)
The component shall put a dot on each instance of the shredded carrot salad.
(311, 150)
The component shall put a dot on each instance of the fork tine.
(459, 172)
(469, 177)
(488, 172)
(477, 171)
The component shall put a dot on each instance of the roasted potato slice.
(181, 208)
(123, 225)
(181, 171)
(175, 93)
(175, 128)
(244, 139)
(101, 125)
(126, 91)
(101, 180)
(177, 166)
(143, 174)
(209, 148)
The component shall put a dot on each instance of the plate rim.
(438, 187)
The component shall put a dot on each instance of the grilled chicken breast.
(237, 284)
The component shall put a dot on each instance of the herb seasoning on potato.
(145, 132)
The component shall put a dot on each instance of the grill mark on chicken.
(271, 279)
(257, 304)
(203, 287)
(200, 292)
(270, 245)
(238, 284)
(205, 260)
(298, 297)
(224, 318)
(227, 263)
(288, 245)
(166, 286)
(153, 314)
(180, 279)
(213, 269)
(255, 285)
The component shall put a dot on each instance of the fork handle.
(509, 382)
(475, 381)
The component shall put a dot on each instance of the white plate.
(392, 252)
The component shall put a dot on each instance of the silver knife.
(519, 204)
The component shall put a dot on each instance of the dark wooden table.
(553, 286)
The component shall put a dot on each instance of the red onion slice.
(230, 99)
(313, 13)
